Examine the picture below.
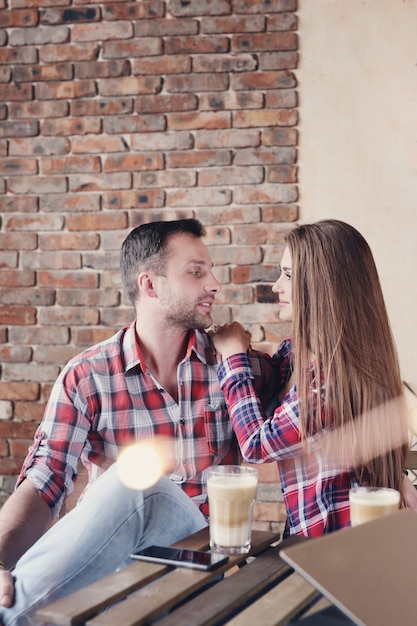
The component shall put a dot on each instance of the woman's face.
(282, 287)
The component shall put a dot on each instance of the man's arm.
(24, 517)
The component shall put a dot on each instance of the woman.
(338, 373)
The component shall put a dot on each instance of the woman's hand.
(6, 588)
(409, 494)
(230, 339)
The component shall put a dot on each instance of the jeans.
(96, 538)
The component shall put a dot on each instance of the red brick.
(102, 31)
(97, 221)
(100, 182)
(264, 6)
(188, 121)
(196, 45)
(197, 82)
(133, 162)
(278, 60)
(266, 156)
(39, 145)
(37, 184)
(267, 193)
(111, 106)
(19, 55)
(51, 260)
(40, 335)
(177, 64)
(67, 165)
(264, 80)
(281, 98)
(16, 278)
(116, 317)
(279, 137)
(282, 21)
(17, 129)
(164, 27)
(148, 46)
(133, 124)
(12, 390)
(91, 336)
(224, 63)
(97, 297)
(69, 241)
(36, 73)
(17, 167)
(65, 279)
(54, 354)
(228, 215)
(230, 176)
(229, 138)
(71, 126)
(38, 110)
(264, 117)
(233, 24)
(8, 259)
(164, 179)
(261, 42)
(163, 103)
(133, 10)
(279, 213)
(68, 52)
(27, 296)
(34, 222)
(70, 203)
(69, 89)
(29, 411)
(15, 353)
(102, 69)
(18, 241)
(17, 315)
(198, 197)
(27, 371)
(41, 35)
(102, 143)
(231, 100)
(134, 199)
(281, 174)
(178, 8)
(5, 74)
(76, 316)
(199, 158)
(69, 15)
(162, 141)
(129, 85)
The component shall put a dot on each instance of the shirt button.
(182, 421)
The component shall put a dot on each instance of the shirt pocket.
(218, 430)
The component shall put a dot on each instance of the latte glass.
(232, 493)
(368, 503)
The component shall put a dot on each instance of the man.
(156, 377)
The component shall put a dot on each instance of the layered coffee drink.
(368, 503)
(232, 492)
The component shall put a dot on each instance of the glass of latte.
(232, 493)
(368, 503)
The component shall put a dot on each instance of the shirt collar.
(198, 343)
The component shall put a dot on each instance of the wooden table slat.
(146, 603)
(222, 599)
(90, 600)
(279, 605)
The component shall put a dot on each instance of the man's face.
(188, 289)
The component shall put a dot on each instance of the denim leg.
(96, 538)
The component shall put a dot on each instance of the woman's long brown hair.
(341, 326)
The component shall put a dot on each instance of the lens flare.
(140, 465)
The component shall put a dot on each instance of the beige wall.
(358, 138)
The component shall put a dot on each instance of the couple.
(160, 377)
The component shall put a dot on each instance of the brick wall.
(117, 113)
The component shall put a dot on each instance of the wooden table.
(265, 590)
